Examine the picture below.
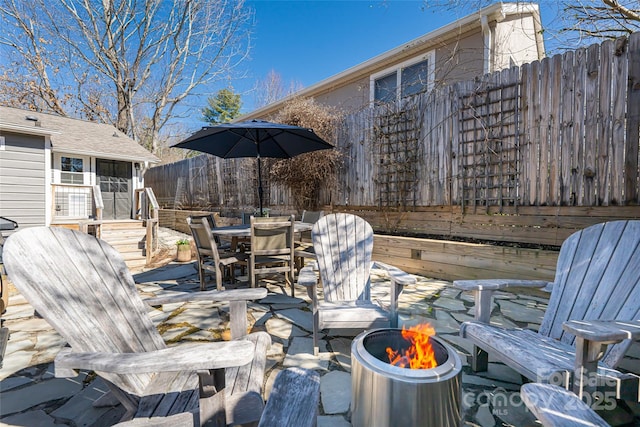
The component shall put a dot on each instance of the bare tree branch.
(132, 61)
(624, 11)
(33, 50)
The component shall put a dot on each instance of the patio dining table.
(235, 232)
(244, 230)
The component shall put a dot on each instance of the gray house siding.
(22, 179)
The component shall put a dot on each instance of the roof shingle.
(75, 136)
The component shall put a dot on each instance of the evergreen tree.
(223, 107)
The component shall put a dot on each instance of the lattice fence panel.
(489, 142)
(396, 145)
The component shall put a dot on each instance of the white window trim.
(2, 143)
(429, 56)
(57, 169)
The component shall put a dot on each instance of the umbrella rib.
(241, 135)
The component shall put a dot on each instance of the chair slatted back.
(597, 277)
(82, 287)
(343, 244)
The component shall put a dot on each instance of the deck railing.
(83, 205)
(75, 202)
(147, 209)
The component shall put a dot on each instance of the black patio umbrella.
(255, 138)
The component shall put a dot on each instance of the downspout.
(487, 51)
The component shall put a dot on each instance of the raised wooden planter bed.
(441, 259)
(449, 260)
(177, 219)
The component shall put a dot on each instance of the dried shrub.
(307, 173)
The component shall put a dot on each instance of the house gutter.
(495, 12)
(93, 153)
(31, 130)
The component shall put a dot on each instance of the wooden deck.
(127, 236)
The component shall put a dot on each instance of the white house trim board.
(48, 177)
(30, 130)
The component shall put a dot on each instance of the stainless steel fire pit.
(387, 395)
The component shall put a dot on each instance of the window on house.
(385, 88)
(71, 170)
(415, 78)
(406, 79)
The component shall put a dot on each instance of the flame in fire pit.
(420, 354)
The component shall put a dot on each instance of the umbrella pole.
(260, 182)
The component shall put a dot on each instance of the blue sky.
(309, 41)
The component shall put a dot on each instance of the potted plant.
(184, 250)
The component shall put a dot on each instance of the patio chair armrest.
(176, 420)
(604, 331)
(293, 400)
(237, 299)
(397, 276)
(496, 284)
(592, 339)
(483, 292)
(307, 277)
(230, 295)
(186, 357)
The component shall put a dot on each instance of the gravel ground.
(167, 237)
(167, 247)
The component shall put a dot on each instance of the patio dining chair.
(210, 259)
(272, 248)
(211, 219)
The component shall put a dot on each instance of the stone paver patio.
(30, 395)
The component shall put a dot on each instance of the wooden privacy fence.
(558, 132)
(548, 137)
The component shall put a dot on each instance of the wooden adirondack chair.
(293, 403)
(82, 287)
(556, 407)
(343, 245)
(592, 315)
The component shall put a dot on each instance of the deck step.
(128, 237)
